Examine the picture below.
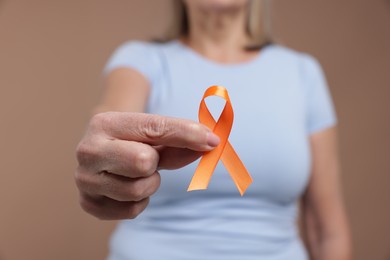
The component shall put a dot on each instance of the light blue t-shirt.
(279, 98)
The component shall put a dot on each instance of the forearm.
(333, 248)
(326, 245)
(326, 222)
(323, 245)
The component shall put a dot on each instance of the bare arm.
(126, 91)
(122, 151)
(324, 220)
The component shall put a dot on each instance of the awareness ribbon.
(224, 150)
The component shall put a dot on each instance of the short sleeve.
(320, 111)
(137, 55)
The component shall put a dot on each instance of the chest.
(268, 131)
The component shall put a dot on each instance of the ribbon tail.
(201, 178)
(236, 169)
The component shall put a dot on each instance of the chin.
(217, 5)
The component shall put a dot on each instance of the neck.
(219, 36)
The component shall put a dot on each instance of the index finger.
(158, 130)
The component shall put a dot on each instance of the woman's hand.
(121, 153)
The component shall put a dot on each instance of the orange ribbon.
(224, 150)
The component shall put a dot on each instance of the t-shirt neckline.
(259, 56)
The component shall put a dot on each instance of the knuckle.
(136, 209)
(133, 212)
(101, 122)
(137, 191)
(80, 178)
(146, 162)
(83, 181)
(84, 152)
(95, 207)
(157, 128)
(89, 148)
(89, 152)
(90, 206)
(98, 120)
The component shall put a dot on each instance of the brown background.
(51, 56)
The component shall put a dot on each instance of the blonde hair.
(257, 27)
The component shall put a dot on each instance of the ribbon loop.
(224, 150)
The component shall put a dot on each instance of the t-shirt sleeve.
(320, 112)
(136, 55)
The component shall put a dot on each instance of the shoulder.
(134, 50)
(296, 63)
(135, 44)
(141, 55)
(146, 47)
(292, 57)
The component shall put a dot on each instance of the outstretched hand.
(121, 153)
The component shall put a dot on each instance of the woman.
(284, 131)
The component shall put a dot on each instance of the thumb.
(174, 158)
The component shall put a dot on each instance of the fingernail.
(212, 139)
